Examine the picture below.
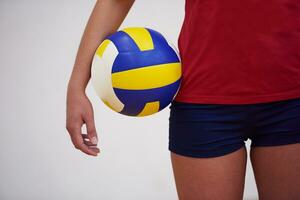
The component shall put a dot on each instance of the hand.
(79, 112)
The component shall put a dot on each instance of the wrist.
(75, 89)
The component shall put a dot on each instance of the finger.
(91, 129)
(83, 147)
(89, 143)
(85, 137)
(78, 142)
(94, 148)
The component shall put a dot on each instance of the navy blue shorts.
(210, 130)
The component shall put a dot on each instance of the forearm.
(105, 19)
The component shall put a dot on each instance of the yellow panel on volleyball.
(100, 50)
(148, 77)
(149, 109)
(141, 37)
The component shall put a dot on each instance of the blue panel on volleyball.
(133, 60)
(135, 100)
(120, 38)
(158, 40)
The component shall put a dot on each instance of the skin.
(218, 178)
(105, 19)
(276, 169)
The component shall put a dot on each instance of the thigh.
(277, 171)
(219, 177)
(275, 149)
(207, 150)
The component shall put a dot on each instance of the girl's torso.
(238, 52)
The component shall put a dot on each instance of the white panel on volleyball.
(101, 77)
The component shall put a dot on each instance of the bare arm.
(105, 19)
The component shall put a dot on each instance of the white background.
(38, 44)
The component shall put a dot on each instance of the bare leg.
(277, 171)
(220, 178)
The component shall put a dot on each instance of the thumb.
(91, 129)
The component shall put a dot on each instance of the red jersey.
(240, 51)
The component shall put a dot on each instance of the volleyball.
(136, 71)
